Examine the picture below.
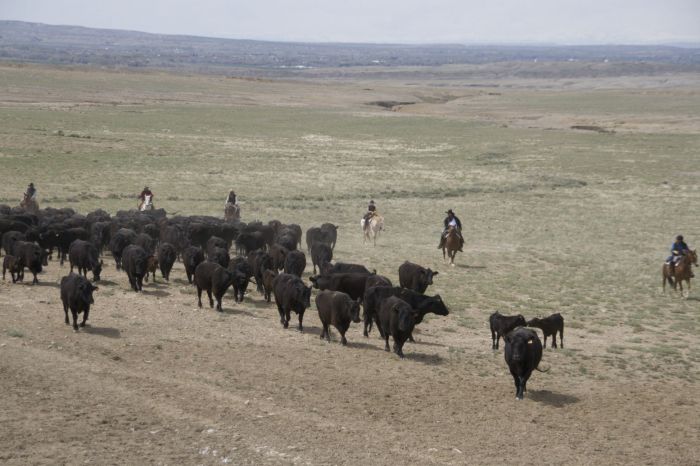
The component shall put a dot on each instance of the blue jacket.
(679, 248)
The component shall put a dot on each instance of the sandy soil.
(155, 380)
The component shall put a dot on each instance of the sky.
(384, 21)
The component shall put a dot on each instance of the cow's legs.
(75, 319)
(211, 300)
(199, 296)
(85, 318)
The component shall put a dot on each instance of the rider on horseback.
(451, 221)
(231, 199)
(146, 192)
(30, 195)
(371, 212)
(142, 197)
(29, 202)
(678, 249)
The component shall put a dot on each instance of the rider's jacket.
(145, 193)
(679, 248)
(455, 218)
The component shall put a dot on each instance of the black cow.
(259, 261)
(291, 295)
(99, 235)
(550, 326)
(242, 274)
(146, 242)
(76, 294)
(374, 296)
(295, 263)
(249, 241)
(192, 256)
(216, 242)
(9, 238)
(166, 258)
(294, 231)
(321, 253)
(66, 238)
(134, 263)
(523, 354)
(351, 283)
(331, 232)
(415, 277)
(11, 263)
(500, 326)
(28, 255)
(220, 256)
(316, 235)
(278, 253)
(213, 278)
(174, 235)
(398, 319)
(84, 256)
(377, 280)
(342, 267)
(338, 309)
(119, 241)
(288, 241)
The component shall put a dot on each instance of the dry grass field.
(556, 219)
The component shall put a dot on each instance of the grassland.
(556, 219)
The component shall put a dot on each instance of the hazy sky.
(458, 21)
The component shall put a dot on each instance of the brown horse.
(682, 271)
(452, 244)
(29, 205)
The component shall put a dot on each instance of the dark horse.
(452, 244)
(681, 271)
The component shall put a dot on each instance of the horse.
(147, 203)
(452, 244)
(30, 205)
(681, 271)
(376, 225)
(232, 212)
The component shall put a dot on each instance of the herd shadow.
(558, 400)
(108, 332)
(471, 267)
(237, 312)
(156, 293)
(429, 359)
(43, 284)
(106, 282)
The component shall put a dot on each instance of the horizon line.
(690, 44)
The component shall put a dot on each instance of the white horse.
(376, 225)
(232, 212)
(147, 203)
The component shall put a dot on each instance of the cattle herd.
(267, 255)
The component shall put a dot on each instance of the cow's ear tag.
(529, 342)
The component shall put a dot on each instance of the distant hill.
(72, 45)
